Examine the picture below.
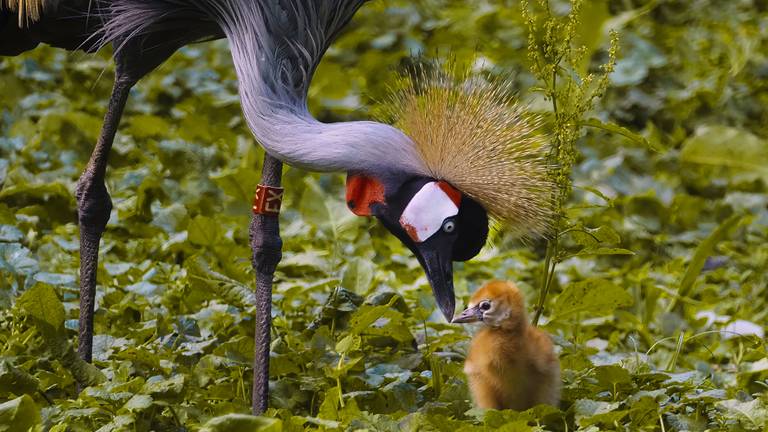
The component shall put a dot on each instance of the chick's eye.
(484, 306)
(449, 226)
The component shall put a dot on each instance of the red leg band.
(267, 200)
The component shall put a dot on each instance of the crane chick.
(511, 364)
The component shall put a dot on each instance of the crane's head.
(482, 158)
(432, 218)
(497, 304)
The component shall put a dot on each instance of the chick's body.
(511, 364)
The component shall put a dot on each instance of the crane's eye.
(449, 226)
(485, 305)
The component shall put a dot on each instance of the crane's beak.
(469, 315)
(439, 269)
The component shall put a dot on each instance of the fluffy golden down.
(511, 364)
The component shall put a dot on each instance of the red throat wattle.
(362, 192)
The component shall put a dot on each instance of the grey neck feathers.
(276, 46)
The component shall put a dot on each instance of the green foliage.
(711, 145)
(662, 246)
(590, 297)
(557, 61)
(19, 414)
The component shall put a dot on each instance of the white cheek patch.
(428, 209)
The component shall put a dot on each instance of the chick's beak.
(439, 269)
(469, 315)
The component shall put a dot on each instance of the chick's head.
(497, 304)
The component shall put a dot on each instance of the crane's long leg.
(267, 252)
(93, 207)
(132, 62)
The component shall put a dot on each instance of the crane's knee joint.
(93, 203)
(267, 253)
(125, 82)
(266, 244)
(266, 260)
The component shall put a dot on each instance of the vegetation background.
(663, 263)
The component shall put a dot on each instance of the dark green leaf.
(593, 297)
(19, 414)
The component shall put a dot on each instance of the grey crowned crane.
(462, 153)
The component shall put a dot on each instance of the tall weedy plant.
(557, 62)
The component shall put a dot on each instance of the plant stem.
(338, 380)
(550, 262)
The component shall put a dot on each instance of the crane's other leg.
(132, 62)
(93, 207)
(267, 252)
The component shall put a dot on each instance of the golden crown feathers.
(476, 135)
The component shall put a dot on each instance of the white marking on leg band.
(427, 211)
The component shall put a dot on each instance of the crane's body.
(66, 27)
(463, 149)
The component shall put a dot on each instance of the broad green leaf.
(239, 183)
(329, 213)
(592, 297)
(342, 369)
(644, 412)
(313, 259)
(589, 412)
(612, 375)
(348, 343)
(728, 147)
(55, 279)
(17, 259)
(230, 290)
(42, 304)
(138, 402)
(391, 324)
(53, 192)
(15, 380)
(84, 373)
(164, 387)
(590, 236)
(241, 423)
(119, 422)
(367, 315)
(9, 233)
(321, 422)
(205, 231)
(329, 409)
(358, 275)
(753, 414)
(146, 126)
(19, 415)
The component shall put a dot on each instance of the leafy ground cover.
(663, 270)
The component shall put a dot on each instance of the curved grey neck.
(300, 140)
(274, 65)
